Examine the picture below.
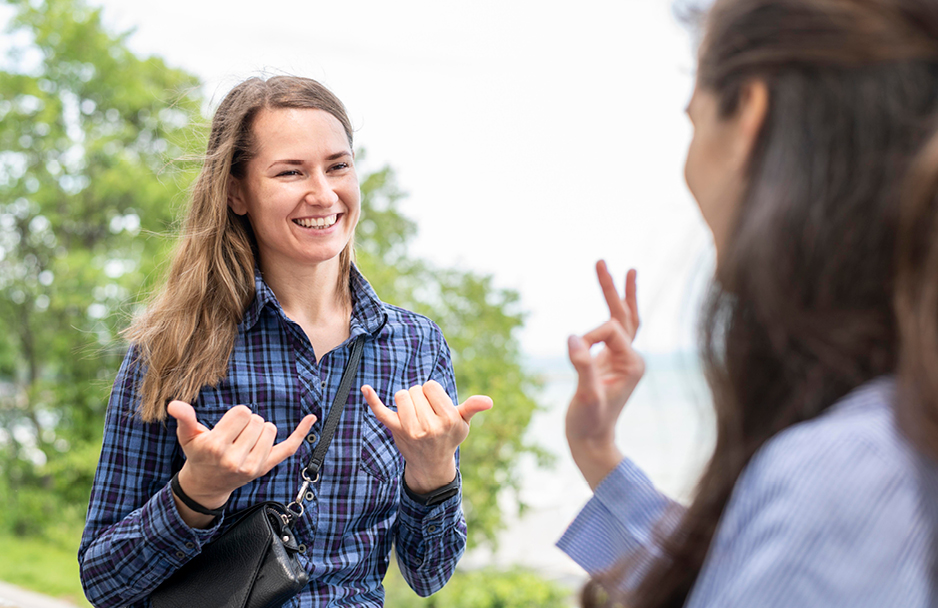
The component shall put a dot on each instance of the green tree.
(85, 130)
(87, 133)
(479, 322)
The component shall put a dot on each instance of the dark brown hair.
(186, 335)
(830, 276)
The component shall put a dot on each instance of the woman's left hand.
(427, 430)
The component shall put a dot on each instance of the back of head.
(802, 310)
(187, 333)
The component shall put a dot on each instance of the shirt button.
(431, 529)
(180, 554)
(190, 545)
(311, 438)
(324, 384)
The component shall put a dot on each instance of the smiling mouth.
(318, 223)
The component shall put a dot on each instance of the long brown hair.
(187, 332)
(830, 276)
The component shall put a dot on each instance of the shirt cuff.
(170, 536)
(429, 521)
(619, 519)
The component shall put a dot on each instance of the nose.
(319, 190)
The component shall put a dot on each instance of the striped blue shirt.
(839, 511)
(134, 538)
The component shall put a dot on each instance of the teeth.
(317, 222)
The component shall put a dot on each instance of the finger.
(583, 363)
(422, 408)
(260, 451)
(405, 410)
(232, 423)
(251, 432)
(473, 405)
(617, 308)
(438, 399)
(631, 300)
(288, 446)
(612, 334)
(188, 426)
(383, 413)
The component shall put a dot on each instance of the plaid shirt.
(134, 538)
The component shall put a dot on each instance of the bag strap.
(310, 472)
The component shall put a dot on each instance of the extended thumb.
(188, 425)
(473, 405)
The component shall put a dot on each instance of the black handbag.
(255, 563)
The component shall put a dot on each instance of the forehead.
(299, 130)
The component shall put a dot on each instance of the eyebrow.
(299, 161)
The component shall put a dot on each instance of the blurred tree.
(86, 128)
(479, 322)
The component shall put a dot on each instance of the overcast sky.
(533, 138)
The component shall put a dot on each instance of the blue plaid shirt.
(134, 538)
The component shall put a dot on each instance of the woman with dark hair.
(815, 164)
(230, 383)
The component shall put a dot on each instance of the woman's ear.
(236, 197)
(750, 116)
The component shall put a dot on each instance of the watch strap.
(436, 496)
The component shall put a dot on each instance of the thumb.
(188, 426)
(580, 357)
(473, 405)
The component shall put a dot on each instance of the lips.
(319, 223)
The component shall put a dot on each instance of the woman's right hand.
(239, 449)
(605, 382)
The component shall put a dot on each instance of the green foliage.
(484, 588)
(479, 322)
(85, 128)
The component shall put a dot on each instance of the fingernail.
(574, 342)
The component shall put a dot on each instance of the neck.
(309, 295)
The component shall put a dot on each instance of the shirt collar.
(368, 312)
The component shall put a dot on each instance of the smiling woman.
(249, 338)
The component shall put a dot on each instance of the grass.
(42, 566)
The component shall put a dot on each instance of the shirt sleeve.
(819, 521)
(621, 522)
(134, 537)
(430, 540)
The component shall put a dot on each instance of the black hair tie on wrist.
(177, 490)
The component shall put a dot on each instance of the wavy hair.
(185, 336)
(830, 275)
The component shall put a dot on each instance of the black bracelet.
(177, 490)
(436, 496)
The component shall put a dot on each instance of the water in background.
(667, 429)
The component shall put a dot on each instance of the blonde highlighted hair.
(187, 332)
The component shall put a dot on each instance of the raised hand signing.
(239, 449)
(605, 381)
(427, 430)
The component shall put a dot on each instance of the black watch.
(436, 496)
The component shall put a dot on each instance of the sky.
(533, 138)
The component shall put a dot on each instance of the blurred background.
(503, 148)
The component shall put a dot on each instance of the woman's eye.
(340, 166)
(288, 173)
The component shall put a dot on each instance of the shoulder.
(855, 441)
(846, 474)
(830, 512)
(409, 326)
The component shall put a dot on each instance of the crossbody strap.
(310, 472)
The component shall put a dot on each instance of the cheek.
(695, 172)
